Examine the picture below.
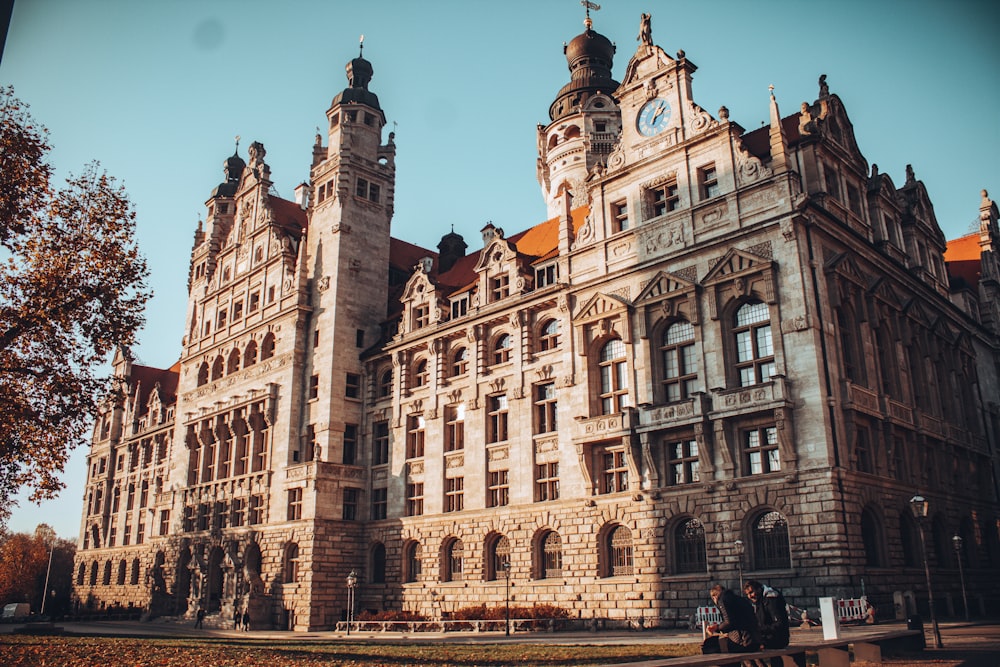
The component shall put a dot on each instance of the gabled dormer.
(923, 238)
(667, 296)
(502, 271)
(424, 304)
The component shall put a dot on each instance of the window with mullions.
(614, 377)
(754, 347)
(415, 499)
(760, 450)
(549, 338)
(545, 408)
(664, 198)
(421, 374)
(689, 547)
(454, 427)
(709, 181)
(454, 556)
(460, 362)
(770, 542)
(619, 550)
(619, 216)
(454, 494)
(380, 443)
(502, 348)
(411, 562)
(498, 489)
(496, 424)
(546, 275)
(498, 550)
(414, 436)
(682, 462)
(680, 370)
(499, 287)
(614, 471)
(552, 560)
(547, 481)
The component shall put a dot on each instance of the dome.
(590, 56)
(359, 74)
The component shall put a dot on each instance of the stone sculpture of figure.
(824, 89)
(645, 30)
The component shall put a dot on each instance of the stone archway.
(182, 579)
(214, 580)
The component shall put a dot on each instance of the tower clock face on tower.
(653, 117)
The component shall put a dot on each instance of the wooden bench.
(830, 653)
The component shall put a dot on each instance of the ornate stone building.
(725, 351)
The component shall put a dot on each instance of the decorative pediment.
(664, 285)
(648, 58)
(736, 263)
(499, 252)
(915, 310)
(599, 307)
(882, 289)
(667, 296)
(844, 266)
(419, 288)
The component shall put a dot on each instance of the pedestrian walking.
(200, 617)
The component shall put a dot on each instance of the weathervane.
(589, 5)
(361, 45)
(237, 143)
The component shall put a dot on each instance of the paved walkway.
(976, 644)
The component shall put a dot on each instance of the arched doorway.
(215, 580)
(183, 579)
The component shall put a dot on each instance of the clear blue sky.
(156, 91)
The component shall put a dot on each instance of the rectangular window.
(112, 536)
(665, 198)
(374, 193)
(415, 499)
(546, 275)
(350, 444)
(127, 535)
(454, 494)
(313, 387)
(140, 532)
(204, 516)
(496, 426)
(164, 522)
(421, 316)
(454, 427)
(832, 184)
(294, 504)
(237, 311)
(256, 510)
(460, 306)
(854, 200)
(187, 523)
(614, 471)
(760, 449)
(270, 294)
(619, 216)
(351, 504)
(499, 287)
(359, 338)
(352, 387)
(380, 503)
(709, 181)
(238, 510)
(498, 490)
(361, 189)
(415, 436)
(682, 462)
(547, 481)
(316, 338)
(380, 443)
(545, 408)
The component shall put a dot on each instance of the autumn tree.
(24, 567)
(72, 289)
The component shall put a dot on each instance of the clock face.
(653, 117)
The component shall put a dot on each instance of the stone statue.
(824, 89)
(645, 30)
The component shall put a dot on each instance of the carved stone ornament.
(324, 284)
(749, 168)
(700, 120)
(616, 160)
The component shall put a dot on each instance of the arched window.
(411, 562)
(689, 547)
(250, 354)
(81, 574)
(550, 557)
(680, 371)
(93, 573)
(378, 563)
(385, 384)
(497, 554)
(107, 574)
(290, 563)
(135, 572)
(454, 554)
(233, 364)
(871, 538)
(770, 542)
(618, 548)
(460, 362)
(203, 373)
(501, 349)
(217, 367)
(549, 338)
(754, 347)
(122, 572)
(267, 347)
(910, 538)
(421, 374)
(614, 377)
(851, 359)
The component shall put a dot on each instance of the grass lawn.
(65, 651)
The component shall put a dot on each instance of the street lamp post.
(352, 584)
(920, 507)
(45, 591)
(506, 573)
(739, 561)
(957, 543)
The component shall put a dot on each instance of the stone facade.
(726, 354)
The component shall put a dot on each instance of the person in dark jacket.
(738, 631)
(772, 616)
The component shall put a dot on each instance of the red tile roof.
(289, 215)
(963, 259)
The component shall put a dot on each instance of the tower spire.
(779, 144)
(588, 6)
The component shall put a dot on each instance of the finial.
(237, 143)
(361, 46)
(771, 89)
(589, 5)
